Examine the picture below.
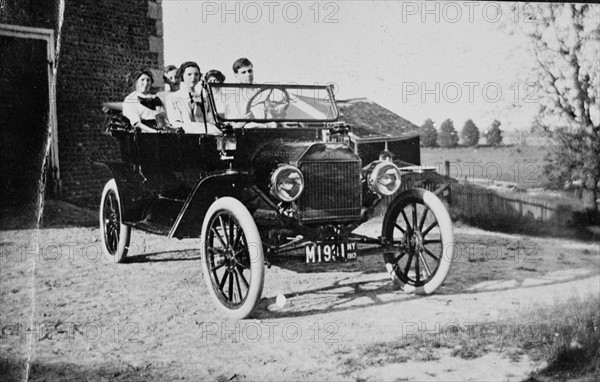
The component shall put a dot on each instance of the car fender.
(133, 191)
(227, 183)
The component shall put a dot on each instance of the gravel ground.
(71, 315)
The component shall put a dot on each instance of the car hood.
(274, 153)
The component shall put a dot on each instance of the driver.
(236, 104)
(243, 71)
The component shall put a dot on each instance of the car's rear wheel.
(114, 234)
(232, 257)
(419, 230)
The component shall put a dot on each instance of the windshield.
(278, 103)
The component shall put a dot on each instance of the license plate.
(327, 252)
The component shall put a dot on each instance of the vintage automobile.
(268, 171)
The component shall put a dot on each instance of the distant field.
(519, 164)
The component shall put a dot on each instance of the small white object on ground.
(280, 300)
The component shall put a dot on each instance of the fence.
(474, 201)
(471, 201)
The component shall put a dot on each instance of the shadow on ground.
(12, 370)
(55, 214)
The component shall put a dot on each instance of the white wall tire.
(114, 235)
(419, 228)
(232, 257)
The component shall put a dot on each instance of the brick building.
(86, 50)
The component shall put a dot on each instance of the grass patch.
(566, 336)
(390, 352)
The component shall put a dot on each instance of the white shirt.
(182, 109)
(135, 111)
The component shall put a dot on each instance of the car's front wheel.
(418, 229)
(114, 234)
(232, 257)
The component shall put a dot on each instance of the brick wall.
(29, 13)
(102, 42)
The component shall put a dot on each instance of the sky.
(419, 59)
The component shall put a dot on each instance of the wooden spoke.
(417, 270)
(427, 270)
(397, 258)
(238, 237)
(431, 254)
(230, 288)
(414, 216)
(424, 233)
(218, 236)
(423, 217)
(222, 283)
(237, 283)
(224, 229)
(246, 284)
(408, 226)
(217, 267)
(407, 266)
(400, 228)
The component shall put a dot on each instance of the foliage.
(566, 43)
(494, 134)
(447, 137)
(565, 335)
(470, 133)
(428, 134)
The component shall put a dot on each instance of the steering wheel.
(275, 102)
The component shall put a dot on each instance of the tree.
(428, 134)
(447, 137)
(470, 133)
(494, 135)
(566, 42)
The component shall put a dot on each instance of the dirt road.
(73, 316)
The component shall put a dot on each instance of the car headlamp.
(287, 183)
(385, 179)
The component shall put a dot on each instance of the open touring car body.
(268, 170)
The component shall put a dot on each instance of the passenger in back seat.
(142, 108)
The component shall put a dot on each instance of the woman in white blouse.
(141, 107)
(181, 105)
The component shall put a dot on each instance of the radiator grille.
(332, 190)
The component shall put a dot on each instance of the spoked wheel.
(419, 228)
(114, 234)
(232, 257)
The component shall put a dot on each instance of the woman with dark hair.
(141, 107)
(214, 76)
(181, 105)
